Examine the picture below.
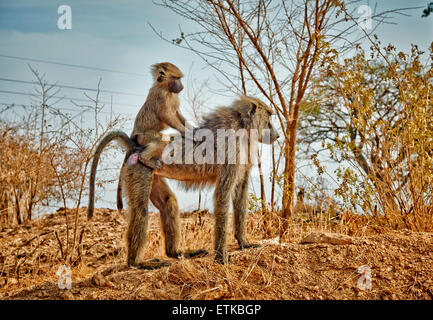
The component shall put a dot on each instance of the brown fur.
(230, 180)
(160, 111)
(113, 135)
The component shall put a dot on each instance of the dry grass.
(401, 263)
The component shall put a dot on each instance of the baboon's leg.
(155, 144)
(240, 201)
(152, 154)
(138, 181)
(164, 199)
(223, 190)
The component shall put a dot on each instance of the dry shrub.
(26, 177)
(47, 154)
(375, 114)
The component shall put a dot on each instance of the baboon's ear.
(252, 109)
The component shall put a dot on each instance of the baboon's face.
(173, 84)
(262, 122)
(168, 76)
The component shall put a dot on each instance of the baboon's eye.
(161, 76)
(252, 110)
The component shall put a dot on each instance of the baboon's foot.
(152, 163)
(221, 258)
(247, 245)
(188, 254)
(150, 264)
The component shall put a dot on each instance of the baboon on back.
(159, 111)
(229, 178)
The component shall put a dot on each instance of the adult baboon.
(229, 177)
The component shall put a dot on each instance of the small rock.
(275, 241)
(324, 237)
(12, 281)
(279, 259)
(66, 295)
(101, 280)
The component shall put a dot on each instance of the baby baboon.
(160, 111)
(230, 180)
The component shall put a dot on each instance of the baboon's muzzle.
(176, 86)
(269, 136)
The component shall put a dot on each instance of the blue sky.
(116, 35)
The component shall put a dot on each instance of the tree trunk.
(199, 200)
(289, 177)
(273, 180)
(262, 183)
(17, 210)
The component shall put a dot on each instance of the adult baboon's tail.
(124, 139)
(119, 200)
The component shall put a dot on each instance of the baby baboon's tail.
(124, 139)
